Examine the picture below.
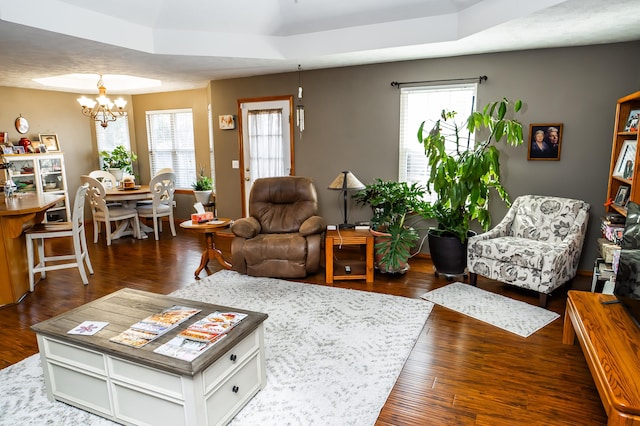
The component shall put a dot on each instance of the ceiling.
(187, 43)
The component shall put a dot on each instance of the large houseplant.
(118, 161)
(391, 202)
(464, 179)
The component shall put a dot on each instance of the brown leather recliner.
(282, 237)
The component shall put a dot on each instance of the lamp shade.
(346, 180)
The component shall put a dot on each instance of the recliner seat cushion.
(282, 255)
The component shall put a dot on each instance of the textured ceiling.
(188, 43)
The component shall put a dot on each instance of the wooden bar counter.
(18, 213)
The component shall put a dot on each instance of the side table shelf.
(359, 270)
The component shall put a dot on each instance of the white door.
(267, 142)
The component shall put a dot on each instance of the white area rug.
(332, 355)
(511, 315)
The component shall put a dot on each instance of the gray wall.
(352, 121)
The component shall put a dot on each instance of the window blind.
(425, 103)
(171, 144)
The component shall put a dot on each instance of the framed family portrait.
(625, 164)
(50, 141)
(545, 141)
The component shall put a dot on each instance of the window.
(418, 104)
(116, 133)
(171, 144)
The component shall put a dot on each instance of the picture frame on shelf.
(545, 141)
(625, 164)
(632, 121)
(4, 137)
(18, 149)
(50, 140)
(7, 149)
(622, 196)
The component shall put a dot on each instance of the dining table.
(128, 198)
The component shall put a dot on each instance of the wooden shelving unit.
(620, 135)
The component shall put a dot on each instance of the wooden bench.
(610, 341)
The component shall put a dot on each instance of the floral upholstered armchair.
(536, 246)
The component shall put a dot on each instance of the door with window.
(267, 141)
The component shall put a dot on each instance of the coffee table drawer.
(231, 359)
(74, 355)
(145, 377)
(231, 396)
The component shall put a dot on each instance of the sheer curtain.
(265, 143)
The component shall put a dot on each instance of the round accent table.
(209, 230)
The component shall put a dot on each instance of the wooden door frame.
(288, 98)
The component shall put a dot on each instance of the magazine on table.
(201, 335)
(154, 326)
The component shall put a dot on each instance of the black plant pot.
(448, 254)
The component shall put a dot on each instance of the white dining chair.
(74, 229)
(107, 214)
(159, 172)
(108, 180)
(162, 188)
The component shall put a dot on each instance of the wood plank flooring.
(460, 372)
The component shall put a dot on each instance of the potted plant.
(118, 161)
(464, 180)
(391, 203)
(202, 188)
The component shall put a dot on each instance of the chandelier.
(102, 109)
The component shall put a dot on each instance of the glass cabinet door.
(23, 174)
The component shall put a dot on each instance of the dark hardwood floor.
(460, 372)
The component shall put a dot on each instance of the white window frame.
(178, 151)
(425, 103)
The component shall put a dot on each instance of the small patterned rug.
(511, 315)
(332, 355)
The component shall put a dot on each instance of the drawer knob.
(235, 389)
(233, 357)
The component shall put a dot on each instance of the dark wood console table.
(610, 341)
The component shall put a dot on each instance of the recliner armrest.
(313, 225)
(246, 227)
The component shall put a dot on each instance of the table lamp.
(344, 182)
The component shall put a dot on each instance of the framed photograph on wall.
(545, 141)
(227, 122)
(50, 140)
(625, 165)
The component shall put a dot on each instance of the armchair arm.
(503, 228)
(313, 225)
(246, 227)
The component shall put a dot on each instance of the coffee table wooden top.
(124, 308)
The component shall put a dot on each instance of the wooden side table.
(359, 270)
(209, 230)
